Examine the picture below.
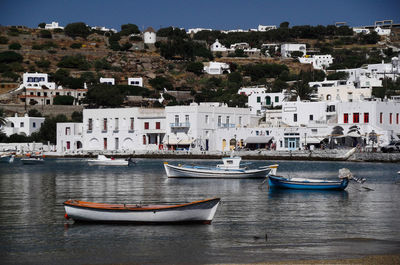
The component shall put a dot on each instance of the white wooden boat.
(102, 160)
(194, 212)
(35, 160)
(7, 158)
(229, 169)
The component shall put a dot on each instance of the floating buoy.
(66, 216)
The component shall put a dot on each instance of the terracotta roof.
(150, 29)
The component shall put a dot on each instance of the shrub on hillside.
(63, 100)
(14, 46)
(195, 67)
(74, 61)
(10, 56)
(76, 45)
(43, 63)
(78, 29)
(3, 40)
(46, 34)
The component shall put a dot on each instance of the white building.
(250, 90)
(216, 68)
(114, 130)
(195, 126)
(288, 48)
(149, 36)
(339, 90)
(382, 32)
(218, 47)
(53, 25)
(362, 78)
(361, 30)
(260, 102)
(265, 28)
(104, 29)
(22, 125)
(36, 89)
(319, 62)
(135, 81)
(108, 81)
(195, 30)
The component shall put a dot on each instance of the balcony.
(226, 125)
(180, 125)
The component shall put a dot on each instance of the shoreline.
(332, 155)
(385, 259)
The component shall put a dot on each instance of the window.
(116, 124)
(397, 118)
(176, 120)
(131, 126)
(68, 145)
(227, 120)
(366, 117)
(144, 139)
(258, 99)
(158, 125)
(390, 118)
(21, 125)
(345, 118)
(311, 117)
(90, 124)
(276, 99)
(356, 117)
(267, 100)
(67, 130)
(295, 117)
(105, 124)
(207, 119)
(186, 119)
(219, 121)
(146, 125)
(34, 124)
(116, 143)
(240, 120)
(105, 143)
(380, 117)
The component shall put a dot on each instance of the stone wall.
(47, 110)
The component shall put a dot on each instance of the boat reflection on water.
(314, 194)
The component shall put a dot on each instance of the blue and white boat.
(311, 183)
(229, 169)
(7, 158)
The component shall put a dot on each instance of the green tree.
(160, 82)
(78, 29)
(14, 46)
(302, 90)
(236, 78)
(43, 63)
(42, 25)
(46, 34)
(128, 29)
(63, 100)
(284, 24)
(3, 40)
(48, 130)
(338, 76)
(74, 61)
(76, 45)
(104, 95)
(195, 67)
(77, 116)
(279, 85)
(34, 113)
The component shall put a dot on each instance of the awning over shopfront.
(172, 139)
(313, 140)
(258, 139)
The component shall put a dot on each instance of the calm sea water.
(251, 225)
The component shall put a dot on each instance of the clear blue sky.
(216, 14)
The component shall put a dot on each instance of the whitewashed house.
(22, 125)
(149, 36)
(108, 81)
(260, 102)
(361, 30)
(339, 90)
(318, 62)
(382, 31)
(53, 25)
(69, 137)
(195, 30)
(135, 81)
(216, 68)
(263, 28)
(195, 126)
(250, 90)
(218, 47)
(288, 48)
(36, 89)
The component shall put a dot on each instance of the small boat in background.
(229, 169)
(7, 158)
(313, 184)
(32, 159)
(102, 160)
(194, 212)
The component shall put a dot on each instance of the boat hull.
(27, 161)
(195, 212)
(198, 172)
(108, 163)
(284, 183)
